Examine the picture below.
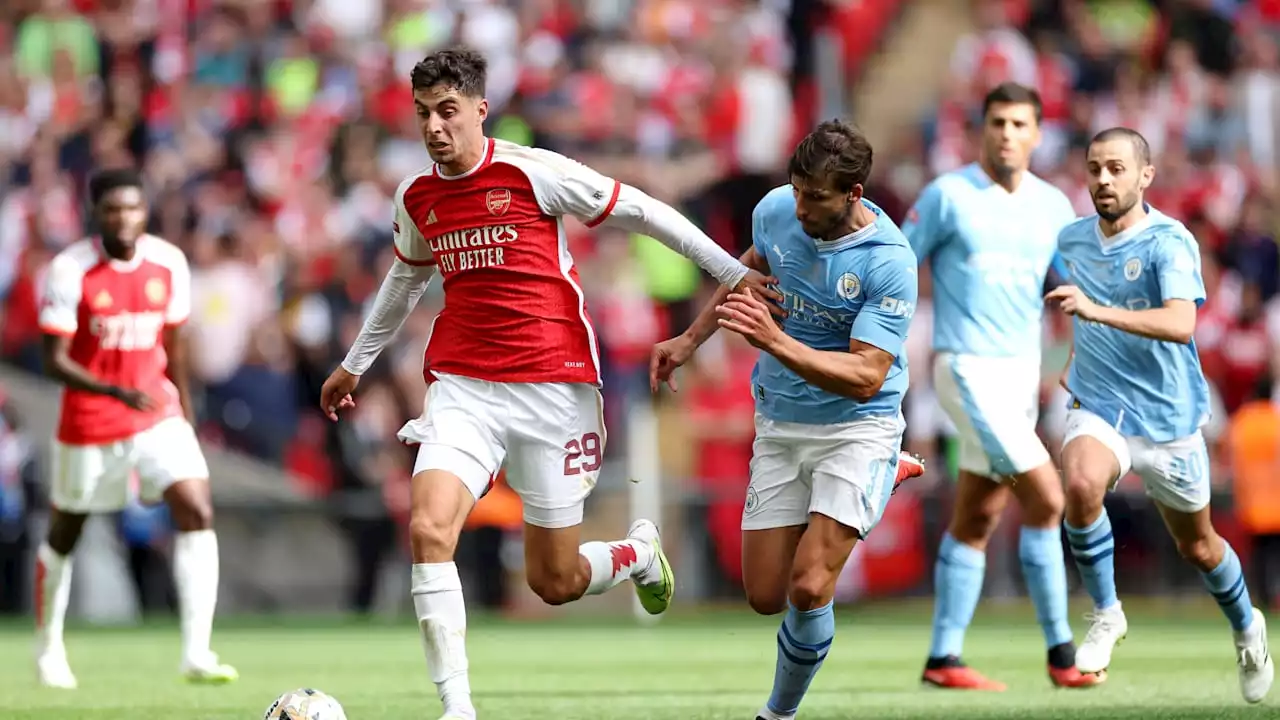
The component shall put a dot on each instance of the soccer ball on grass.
(304, 704)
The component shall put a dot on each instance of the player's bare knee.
(64, 531)
(1202, 552)
(556, 587)
(1040, 494)
(974, 526)
(190, 505)
(1084, 496)
(811, 587)
(766, 601)
(431, 540)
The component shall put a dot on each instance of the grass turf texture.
(701, 665)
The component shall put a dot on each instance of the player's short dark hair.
(104, 181)
(1141, 148)
(460, 68)
(1011, 93)
(834, 151)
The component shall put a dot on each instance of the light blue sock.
(803, 641)
(1094, 549)
(1226, 583)
(1040, 550)
(957, 579)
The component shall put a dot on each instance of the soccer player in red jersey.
(112, 313)
(512, 365)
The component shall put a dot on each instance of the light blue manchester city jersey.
(861, 286)
(989, 251)
(1145, 388)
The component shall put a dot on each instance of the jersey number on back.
(582, 455)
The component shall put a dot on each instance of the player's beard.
(1124, 202)
(837, 227)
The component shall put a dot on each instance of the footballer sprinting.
(828, 388)
(988, 233)
(112, 317)
(513, 364)
(1139, 399)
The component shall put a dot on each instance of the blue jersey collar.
(1109, 245)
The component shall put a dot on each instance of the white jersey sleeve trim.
(60, 295)
(397, 297)
(171, 256)
(411, 246)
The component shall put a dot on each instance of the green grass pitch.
(713, 664)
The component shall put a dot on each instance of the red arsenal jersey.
(514, 310)
(115, 314)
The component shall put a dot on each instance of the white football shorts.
(994, 403)
(97, 478)
(1174, 474)
(844, 471)
(550, 435)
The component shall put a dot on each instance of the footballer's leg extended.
(195, 574)
(1000, 456)
(1176, 476)
(799, 527)
(53, 591)
(1094, 457)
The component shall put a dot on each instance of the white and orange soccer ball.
(305, 704)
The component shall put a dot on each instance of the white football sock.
(613, 562)
(195, 573)
(53, 592)
(442, 622)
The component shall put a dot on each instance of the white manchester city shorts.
(844, 471)
(994, 402)
(96, 478)
(550, 435)
(1174, 474)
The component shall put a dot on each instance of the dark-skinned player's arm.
(59, 309)
(175, 336)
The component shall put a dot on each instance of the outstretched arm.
(635, 211)
(706, 324)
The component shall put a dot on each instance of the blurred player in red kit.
(512, 365)
(112, 313)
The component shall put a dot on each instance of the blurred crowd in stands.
(273, 132)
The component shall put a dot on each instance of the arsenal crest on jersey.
(498, 201)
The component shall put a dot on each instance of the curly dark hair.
(835, 151)
(460, 68)
(104, 181)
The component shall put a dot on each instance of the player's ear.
(1148, 176)
(855, 193)
(482, 109)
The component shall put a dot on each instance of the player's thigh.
(775, 513)
(88, 479)
(821, 555)
(1094, 458)
(977, 508)
(168, 453)
(556, 443)
(459, 433)
(993, 404)
(767, 559)
(1175, 474)
(853, 469)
